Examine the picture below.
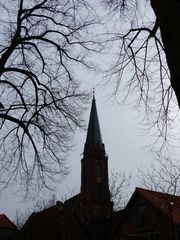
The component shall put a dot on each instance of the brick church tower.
(95, 195)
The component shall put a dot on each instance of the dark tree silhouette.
(147, 59)
(40, 100)
(167, 14)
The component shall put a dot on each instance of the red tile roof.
(168, 204)
(5, 222)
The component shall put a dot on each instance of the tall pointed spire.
(95, 192)
(94, 133)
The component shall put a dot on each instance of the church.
(89, 215)
(93, 201)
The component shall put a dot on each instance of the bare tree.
(167, 16)
(118, 186)
(147, 57)
(42, 42)
(163, 175)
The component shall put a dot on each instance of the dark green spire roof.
(94, 133)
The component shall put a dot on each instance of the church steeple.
(94, 133)
(93, 138)
(95, 193)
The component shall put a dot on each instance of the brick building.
(150, 215)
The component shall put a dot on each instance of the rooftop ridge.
(154, 191)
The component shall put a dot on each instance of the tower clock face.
(99, 180)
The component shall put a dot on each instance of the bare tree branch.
(41, 45)
(118, 184)
(143, 41)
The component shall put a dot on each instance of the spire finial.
(93, 92)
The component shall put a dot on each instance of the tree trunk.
(168, 16)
